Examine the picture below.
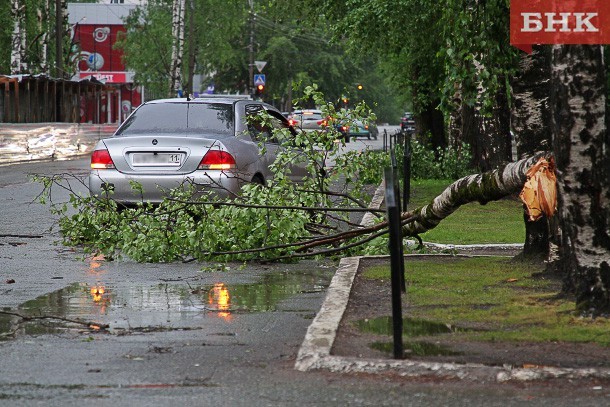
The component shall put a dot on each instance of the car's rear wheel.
(258, 179)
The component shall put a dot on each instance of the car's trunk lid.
(162, 154)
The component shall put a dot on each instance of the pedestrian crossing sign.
(259, 79)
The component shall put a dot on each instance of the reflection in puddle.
(416, 349)
(411, 328)
(176, 305)
(95, 265)
(219, 297)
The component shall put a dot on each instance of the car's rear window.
(307, 115)
(176, 118)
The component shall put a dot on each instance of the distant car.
(358, 128)
(407, 123)
(308, 119)
(207, 142)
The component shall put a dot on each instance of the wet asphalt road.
(172, 341)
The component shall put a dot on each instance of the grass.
(496, 222)
(504, 299)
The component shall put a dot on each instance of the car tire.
(258, 179)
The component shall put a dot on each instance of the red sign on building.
(95, 30)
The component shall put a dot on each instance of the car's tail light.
(217, 160)
(366, 127)
(345, 128)
(101, 160)
(322, 123)
(293, 122)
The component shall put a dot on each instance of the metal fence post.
(406, 166)
(396, 265)
(385, 140)
(394, 163)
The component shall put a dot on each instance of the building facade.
(95, 28)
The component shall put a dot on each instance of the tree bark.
(531, 124)
(18, 63)
(488, 134)
(582, 152)
(482, 188)
(431, 120)
(178, 13)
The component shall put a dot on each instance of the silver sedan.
(205, 142)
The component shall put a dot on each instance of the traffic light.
(359, 86)
(260, 89)
(345, 100)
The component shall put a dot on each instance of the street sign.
(260, 65)
(259, 79)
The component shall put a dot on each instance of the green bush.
(450, 163)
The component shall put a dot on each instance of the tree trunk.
(531, 124)
(192, 48)
(178, 10)
(483, 188)
(18, 65)
(431, 120)
(582, 152)
(42, 16)
(488, 133)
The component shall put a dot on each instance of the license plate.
(156, 159)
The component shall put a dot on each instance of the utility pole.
(251, 49)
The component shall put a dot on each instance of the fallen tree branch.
(88, 324)
(482, 188)
(280, 207)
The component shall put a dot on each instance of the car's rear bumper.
(359, 134)
(155, 187)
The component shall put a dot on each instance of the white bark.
(483, 188)
(18, 64)
(581, 149)
(42, 16)
(178, 15)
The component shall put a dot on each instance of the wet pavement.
(178, 333)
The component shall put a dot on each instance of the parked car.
(358, 128)
(407, 123)
(308, 119)
(207, 142)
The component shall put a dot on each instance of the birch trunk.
(178, 13)
(582, 152)
(531, 124)
(43, 15)
(482, 188)
(18, 63)
(489, 131)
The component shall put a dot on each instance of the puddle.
(416, 349)
(411, 328)
(166, 304)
